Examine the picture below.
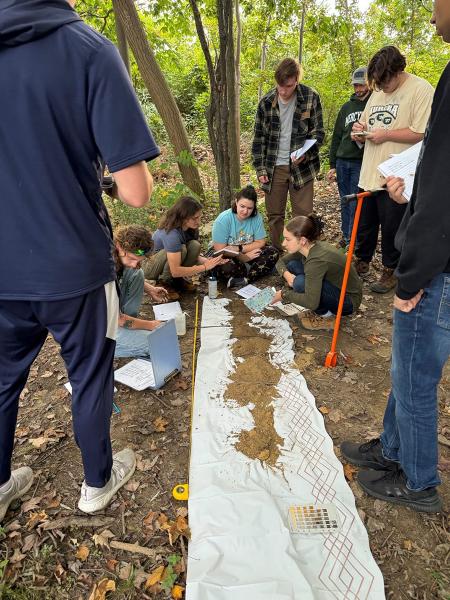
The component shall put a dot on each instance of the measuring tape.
(181, 490)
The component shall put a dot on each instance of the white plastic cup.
(180, 323)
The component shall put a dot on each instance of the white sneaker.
(20, 483)
(93, 499)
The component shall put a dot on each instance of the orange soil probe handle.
(331, 358)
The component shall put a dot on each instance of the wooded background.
(200, 67)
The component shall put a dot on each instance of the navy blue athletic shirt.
(67, 107)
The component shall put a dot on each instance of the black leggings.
(254, 269)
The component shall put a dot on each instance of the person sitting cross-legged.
(177, 249)
(313, 271)
(241, 229)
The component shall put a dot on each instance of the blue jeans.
(420, 348)
(329, 297)
(131, 342)
(347, 173)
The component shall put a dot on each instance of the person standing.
(68, 107)
(346, 154)
(394, 119)
(401, 466)
(286, 117)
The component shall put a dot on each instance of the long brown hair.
(184, 208)
(310, 227)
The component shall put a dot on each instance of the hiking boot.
(368, 455)
(93, 499)
(386, 282)
(390, 486)
(172, 294)
(236, 282)
(362, 267)
(17, 486)
(314, 322)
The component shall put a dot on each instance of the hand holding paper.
(303, 150)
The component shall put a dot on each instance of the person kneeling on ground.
(313, 271)
(177, 249)
(132, 243)
(241, 229)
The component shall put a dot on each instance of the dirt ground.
(49, 549)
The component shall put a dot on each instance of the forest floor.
(49, 549)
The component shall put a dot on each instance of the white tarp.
(241, 546)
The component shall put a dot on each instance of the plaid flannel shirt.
(307, 123)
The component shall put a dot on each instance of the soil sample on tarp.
(253, 381)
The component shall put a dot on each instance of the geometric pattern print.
(341, 573)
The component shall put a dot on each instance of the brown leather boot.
(387, 282)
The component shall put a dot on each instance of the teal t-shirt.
(228, 229)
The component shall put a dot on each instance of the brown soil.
(253, 382)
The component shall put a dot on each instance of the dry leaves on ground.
(101, 588)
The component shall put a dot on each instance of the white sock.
(5, 487)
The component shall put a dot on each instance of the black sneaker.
(367, 455)
(391, 487)
(237, 282)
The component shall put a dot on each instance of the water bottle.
(212, 286)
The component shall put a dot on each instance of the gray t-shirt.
(286, 115)
(171, 241)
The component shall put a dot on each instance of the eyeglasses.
(142, 251)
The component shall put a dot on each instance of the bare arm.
(177, 269)
(133, 185)
(401, 136)
(134, 323)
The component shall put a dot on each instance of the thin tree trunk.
(122, 44)
(220, 114)
(302, 33)
(237, 69)
(159, 90)
(262, 64)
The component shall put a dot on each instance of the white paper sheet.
(248, 291)
(241, 546)
(403, 165)
(303, 150)
(165, 312)
(289, 309)
(137, 374)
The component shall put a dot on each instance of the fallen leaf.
(39, 442)
(407, 545)
(154, 577)
(101, 539)
(102, 588)
(177, 592)
(148, 520)
(335, 415)
(111, 564)
(182, 511)
(132, 486)
(374, 525)
(46, 375)
(82, 553)
(22, 432)
(125, 571)
(309, 350)
(146, 464)
(324, 410)
(349, 472)
(160, 424)
(17, 556)
(181, 384)
(28, 542)
(31, 504)
(35, 518)
(59, 573)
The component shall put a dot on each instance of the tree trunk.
(121, 38)
(221, 112)
(262, 64)
(302, 33)
(160, 92)
(237, 70)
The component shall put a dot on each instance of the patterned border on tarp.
(242, 547)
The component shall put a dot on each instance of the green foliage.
(169, 576)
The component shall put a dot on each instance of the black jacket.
(424, 234)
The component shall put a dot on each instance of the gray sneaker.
(21, 480)
(93, 499)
